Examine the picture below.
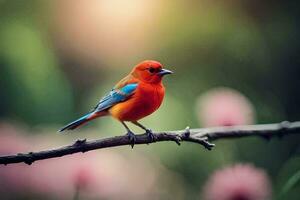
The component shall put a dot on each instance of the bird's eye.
(151, 70)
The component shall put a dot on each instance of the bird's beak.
(164, 72)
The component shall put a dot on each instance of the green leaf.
(290, 184)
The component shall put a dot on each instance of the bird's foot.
(132, 138)
(150, 135)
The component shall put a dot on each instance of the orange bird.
(136, 96)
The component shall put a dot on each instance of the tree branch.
(201, 136)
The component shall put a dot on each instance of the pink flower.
(82, 178)
(240, 182)
(224, 107)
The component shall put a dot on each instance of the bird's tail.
(82, 120)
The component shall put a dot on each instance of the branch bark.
(202, 136)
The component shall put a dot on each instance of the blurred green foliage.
(251, 46)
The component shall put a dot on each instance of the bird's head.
(150, 71)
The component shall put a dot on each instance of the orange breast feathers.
(146, 99)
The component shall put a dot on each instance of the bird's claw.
(150, 135)
(132, 138)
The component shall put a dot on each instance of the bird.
(134, 97)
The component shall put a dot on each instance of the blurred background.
(235, 62)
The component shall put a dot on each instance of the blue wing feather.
(116, 96)
(129, 88)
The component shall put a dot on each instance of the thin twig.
(201, 136)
